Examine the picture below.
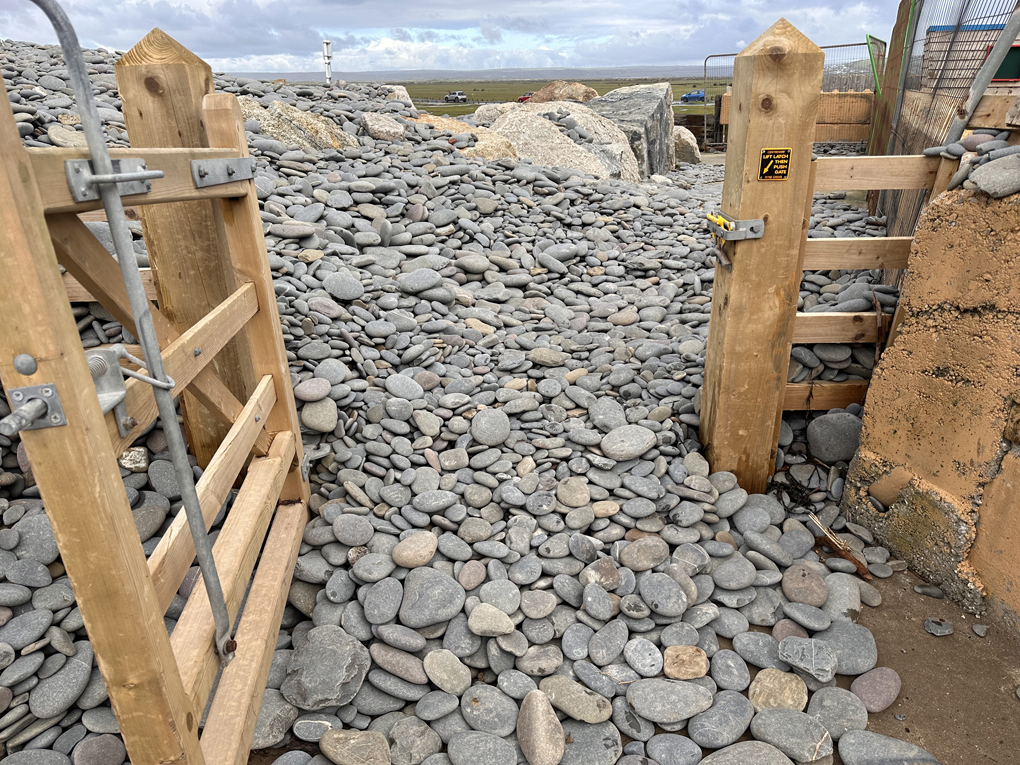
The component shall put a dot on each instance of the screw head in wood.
(25, 364)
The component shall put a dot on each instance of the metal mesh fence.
(850, 67)
(947, 42)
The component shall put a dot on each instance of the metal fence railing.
(849, 67)
(947, 42)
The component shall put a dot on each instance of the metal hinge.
(129, 174)
(213, 172)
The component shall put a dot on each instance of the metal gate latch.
(36, 407)
(213, 172)
(108, 377)
(129, 174)
(732, 230)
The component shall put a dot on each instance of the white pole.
(327, 58)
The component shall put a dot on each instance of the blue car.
(694, 95)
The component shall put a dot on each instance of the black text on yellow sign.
(775, 165)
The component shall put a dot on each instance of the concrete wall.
(941, 441)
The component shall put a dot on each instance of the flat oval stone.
(575, 700)
(723, 723)
(838, 710)
(588, 744)
(430, 597)
(797, 735)
(667, 701)
(539, 732)
(477, 748)
(877, 688)
(854, 646)
(59, 691)
(862, 747)
(672, 749)
(747, 752)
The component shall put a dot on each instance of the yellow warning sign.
(775, 164)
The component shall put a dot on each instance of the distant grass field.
(498, 92)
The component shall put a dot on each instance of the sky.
(372, 35)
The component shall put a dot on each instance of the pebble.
(862, 747)
(723, 723)
(938, 627)
(877, 688)
(667, 701)
(539, 732)
(774, 689)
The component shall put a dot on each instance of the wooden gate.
(213, 281)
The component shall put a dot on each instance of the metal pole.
(992, 63)
(102, 165)
(327, 58)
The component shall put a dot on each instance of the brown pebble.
(684, 662)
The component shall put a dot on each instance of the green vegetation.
(501, 91)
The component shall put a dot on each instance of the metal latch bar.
(213, 172)
(129, 174)
(732, 230)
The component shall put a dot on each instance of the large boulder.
(645, 114)
(397, 93)
(685, 146)
(381, 127)
(609, 154)
(561, 90)
(486, 114)
(488, 144)
(290, 125)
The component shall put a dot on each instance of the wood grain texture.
(993, 112)
(77, 293)
(910, 171)
(235, 551)
(857, 253)
(175, 552)
(180, 362)
(820, 396)
(776, 89)
(76, 470)
(176, 185)
(162, 85)
(838, 327)
(82, 255)
(246, 248)
(230, 725)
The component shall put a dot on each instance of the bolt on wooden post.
(776, 88)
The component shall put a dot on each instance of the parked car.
(694, 95)
(456, 97)
(525, 97)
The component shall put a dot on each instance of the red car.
(525, 97)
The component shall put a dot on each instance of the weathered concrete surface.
(943, 415)
(645, 113)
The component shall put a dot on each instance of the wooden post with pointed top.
(162, 85)
(776, 88)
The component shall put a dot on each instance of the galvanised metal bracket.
(732, 230)
(129, 174)
(36, 407)
(213, 172)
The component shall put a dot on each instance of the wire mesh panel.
(947, 42)
(849, 67)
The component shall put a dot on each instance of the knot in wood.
(154, 86)
(776, 53)
(766, 103)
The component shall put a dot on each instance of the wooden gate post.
(776, 88)
(84, 495)
(162, 84)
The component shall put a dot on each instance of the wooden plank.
(857, 253)
(173, 555)
(209, 335)
(837, 327)
(230, 725)
(820, 396)
(162, 84)
(842, 108)
(911, 171)
(76, 470)
(235, 551)
(1013, 113)
(131, 213)
(947, 169)
(885, 104)
(827, 133)
(246, 247)
(85, 258)
(176, 185)
(76, 293)
(992, 112)
(724, 110)
(776, 88)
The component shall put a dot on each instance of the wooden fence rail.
(755, 322)
(219, 331)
